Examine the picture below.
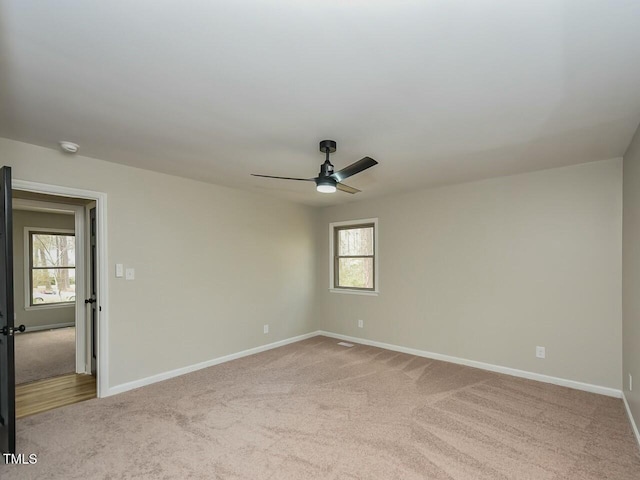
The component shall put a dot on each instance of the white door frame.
(100, 198)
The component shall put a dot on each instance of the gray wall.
(212, 264)
(38, 316)
(631, 276)
(484, 270)
(489, 270)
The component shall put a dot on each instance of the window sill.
(367, 293)
(50, 306)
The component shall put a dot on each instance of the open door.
(7, 365)
(93, 289)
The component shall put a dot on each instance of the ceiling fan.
(327, 180)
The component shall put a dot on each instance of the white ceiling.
(438, 91)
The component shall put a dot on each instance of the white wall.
(488, 270)
(40, 316)
(213, 264)
(631, 276)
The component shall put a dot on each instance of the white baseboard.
(587, 387)
(611, 392)
(634, 427)
(209, 363)
(50, 327)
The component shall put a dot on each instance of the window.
(51, 269)
(354, 266)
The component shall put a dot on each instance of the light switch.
(119, 270)
(130, 274)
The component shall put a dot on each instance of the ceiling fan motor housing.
(326, 169)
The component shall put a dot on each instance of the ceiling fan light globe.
(322, 188)
(325, 184)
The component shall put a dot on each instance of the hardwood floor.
(43, 395)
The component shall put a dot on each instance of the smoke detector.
(69, 147)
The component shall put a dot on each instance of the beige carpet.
(45, 354)
(318, 410)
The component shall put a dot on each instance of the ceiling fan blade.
(346, 188)
(354, 168)
(284, 178)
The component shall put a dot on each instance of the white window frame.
(27, 268)
(376, 268)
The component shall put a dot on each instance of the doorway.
(53, 278)
(91, 303)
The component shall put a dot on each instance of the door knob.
(9, 331)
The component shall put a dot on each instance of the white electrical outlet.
(266, 329)
(360, 323)
(130, 274)
(630, 383)
(119, 270)
(541, 352)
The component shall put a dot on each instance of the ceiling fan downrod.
(327, 147)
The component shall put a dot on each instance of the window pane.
(51, 250)
(53, 285)
(355, 272)
(355, 241)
